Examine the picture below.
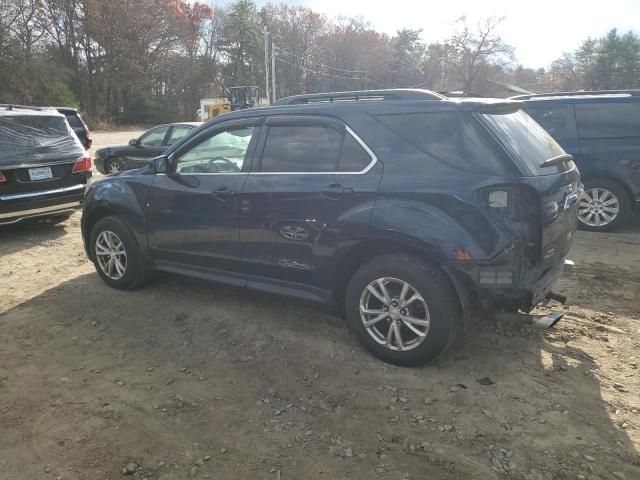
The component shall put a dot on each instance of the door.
(192, 212)
(310, 193)
(150, 145)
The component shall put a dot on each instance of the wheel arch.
(610, 178)
(357, 255)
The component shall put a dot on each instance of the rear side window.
(449, 137)
(312, 148)
(528, 141)
(608, 120)
(74, 121)
(555, 119)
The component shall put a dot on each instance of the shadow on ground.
(187, 378)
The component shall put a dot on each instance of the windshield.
(25, 138)
(528, 141)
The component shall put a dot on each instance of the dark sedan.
(141, 150)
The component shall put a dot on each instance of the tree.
(474, 50)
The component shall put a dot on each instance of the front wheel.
(116, 255)
(403, 310)
(604, 206)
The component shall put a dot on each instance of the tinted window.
(154, 137)
(304, 148)
(178, 133)
(353, 157)
(528, 140)
(608, 120)
(449, 137)
(74, 121)
(224, 152)
(554, 119)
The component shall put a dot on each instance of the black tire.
(136, 272)
(435, 288)
(110, 163)
(624, 204)
(55, 219)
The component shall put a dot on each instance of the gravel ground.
(189, 379)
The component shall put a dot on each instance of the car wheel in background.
(403, 310)
(116, 255)
(113, 165)
(56, 219)
(604, 206)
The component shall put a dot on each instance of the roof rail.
(11, 106)
(390, 94)
(631, 92)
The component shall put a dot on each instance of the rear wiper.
(565, 157)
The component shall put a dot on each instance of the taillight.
(2, 178)
(82, 164)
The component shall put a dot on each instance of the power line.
(318, 72)
(316, 63)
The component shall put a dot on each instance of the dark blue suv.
(405, 210)
(602, 132)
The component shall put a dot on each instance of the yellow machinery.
(239, 98)
(216, 106)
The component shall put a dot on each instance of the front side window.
(312, 148)
(178, 133)
(223, 152)
(608, 120)
(154, 137)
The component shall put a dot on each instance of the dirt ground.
(188, 379)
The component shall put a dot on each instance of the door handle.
(335, 190)
(223, 194)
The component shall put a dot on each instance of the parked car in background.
(76, 122)
(405, 210)
(141, 150)
(43, 167)
(602, 132)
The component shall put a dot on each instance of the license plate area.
(40, 173)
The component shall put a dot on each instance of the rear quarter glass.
(74, 121)
(528, 142)
(450, 137)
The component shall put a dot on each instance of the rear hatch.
(550, 183)
(38, 151)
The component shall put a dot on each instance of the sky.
(540, 30)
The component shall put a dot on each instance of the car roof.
(335, 103)
(613, 96)
(19, 110)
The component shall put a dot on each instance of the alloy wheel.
(111, 255)
(394, 314)
(114, 167)
(598, 207)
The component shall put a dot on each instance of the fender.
(124, 196)
(443, 231)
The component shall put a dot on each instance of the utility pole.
(266, 64)
(273, 71)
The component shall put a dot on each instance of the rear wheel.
(116, 255)
(403, 310)
(114, 165)
(604, 206)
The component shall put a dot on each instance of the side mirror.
(134, 142)
(159, 164)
